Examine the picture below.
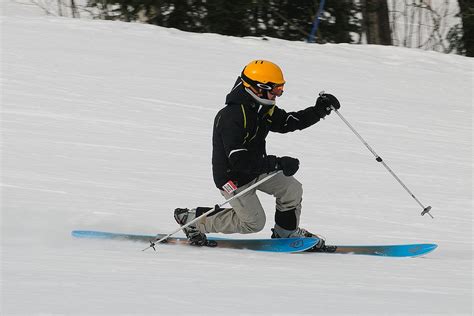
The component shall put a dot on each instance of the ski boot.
(195, 237)
(301, 232)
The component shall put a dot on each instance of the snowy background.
(107, 126)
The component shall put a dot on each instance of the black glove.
(289, 165)
(270, 164)
(324, 103)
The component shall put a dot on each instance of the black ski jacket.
(240, 129)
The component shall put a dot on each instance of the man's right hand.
(324, 104)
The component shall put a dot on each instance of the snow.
(107, 126)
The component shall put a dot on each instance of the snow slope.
(107, 126)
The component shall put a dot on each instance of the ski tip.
(417, 250)
(89, 234)
(76, 233)
(427, 248)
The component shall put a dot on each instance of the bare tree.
(422, 23)
(58, 7)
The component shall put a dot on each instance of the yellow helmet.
(262, 74)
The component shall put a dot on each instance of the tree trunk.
(376, 22)
(74, 11)
(467, 16)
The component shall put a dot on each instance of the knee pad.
(286, 220)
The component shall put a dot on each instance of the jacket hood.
(238, 94)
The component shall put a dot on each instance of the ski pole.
(379, 159)
(157, 240)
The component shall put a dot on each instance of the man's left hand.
(289, 165)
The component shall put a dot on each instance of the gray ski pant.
(247, 214)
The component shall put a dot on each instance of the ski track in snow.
(107, 126)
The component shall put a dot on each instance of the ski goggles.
(277, 89)
(273, 88)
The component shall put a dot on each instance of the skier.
(239, 159)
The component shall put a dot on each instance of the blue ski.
(275, 245)
(407, 250)
(271, 245)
